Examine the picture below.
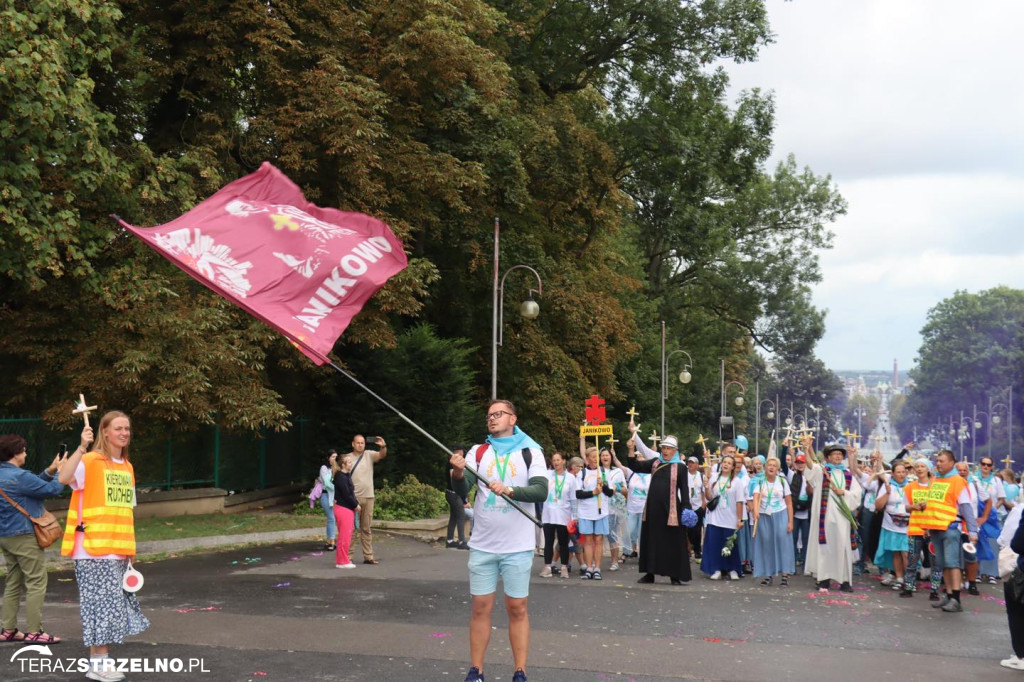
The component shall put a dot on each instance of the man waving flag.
(302, 269)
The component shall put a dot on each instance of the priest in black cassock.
(663, 542)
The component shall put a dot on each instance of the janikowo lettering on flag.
(304, 270)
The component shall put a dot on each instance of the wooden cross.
(1007, 461)
(611, 442)
(82, 409)
(632, 413)
(654, 438)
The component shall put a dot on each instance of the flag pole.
(431, 438)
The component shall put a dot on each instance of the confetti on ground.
(989, 597)
(837, 602)
(252, 560)
(294, 558)
(283, 585)
(440, 635)
(205, 608)
(260, 673)
(316, 554)
(64, 580)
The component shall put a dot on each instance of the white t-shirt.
(497, 527)
(724, 515)
(590, 481)
(696, 485)
(637, 500)
(77, 484)
(617, 482)
(896, 518)
(773, 495)
(992, 488)
(561, 493)
(803, 494)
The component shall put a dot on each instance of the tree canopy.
(600, 134)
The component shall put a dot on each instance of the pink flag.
(304, 270)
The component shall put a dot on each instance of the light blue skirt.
(888, 544)
(773, 546)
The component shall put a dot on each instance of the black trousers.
(1015, 617)
(550, 530)
(694, 533)
(456, 516)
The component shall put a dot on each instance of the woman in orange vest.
(100, 537)
(916, 494)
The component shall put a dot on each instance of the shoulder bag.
(46, 527)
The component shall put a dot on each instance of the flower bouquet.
(729, 545)
(688, 518)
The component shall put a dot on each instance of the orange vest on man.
(942, 502)
(107, 508)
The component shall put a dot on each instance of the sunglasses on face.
(986, 464)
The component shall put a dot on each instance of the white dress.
(834, 559)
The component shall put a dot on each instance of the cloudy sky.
(915, 109)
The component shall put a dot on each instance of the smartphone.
(372, 440)
(62, 449)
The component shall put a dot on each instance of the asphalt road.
(283, 612)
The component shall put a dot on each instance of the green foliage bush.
(408, 501)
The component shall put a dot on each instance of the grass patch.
(206, 525)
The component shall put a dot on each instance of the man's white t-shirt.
(561, 493)
(696, 484)
(804, 493)
(497, 527)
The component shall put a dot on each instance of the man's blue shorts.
(948, 550)
(590, 527)
(514, 567)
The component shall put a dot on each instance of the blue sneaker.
(519, 676)
(474, 675)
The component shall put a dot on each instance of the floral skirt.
(109, 614)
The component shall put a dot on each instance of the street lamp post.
(528, 308)
(757, 418)
(684, 376)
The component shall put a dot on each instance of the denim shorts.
(514, 568)
(948, 550)
(590, 527)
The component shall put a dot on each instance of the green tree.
(970, 352)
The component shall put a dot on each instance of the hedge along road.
(284, 612)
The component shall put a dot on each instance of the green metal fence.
(209, 456)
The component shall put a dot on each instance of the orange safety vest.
(942, 502)
(107, 504)
(916, 494)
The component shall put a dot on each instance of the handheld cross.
(1007, 461)
(82, 409)
(654, 438)
(632, 413)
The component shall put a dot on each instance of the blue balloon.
(741, 443)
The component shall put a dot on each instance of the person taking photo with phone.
(362, 478)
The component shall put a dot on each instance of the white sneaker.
(565, 571)
(1013, 662)
(717, 575)
(733, 575)
(887, 580)
(348, 565)
(613, 567)
(96, 672)
(546, 573)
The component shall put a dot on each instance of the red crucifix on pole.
(595, 409)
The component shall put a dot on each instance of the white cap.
(670, 442)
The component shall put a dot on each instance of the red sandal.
(11, 636)
(41, 638)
